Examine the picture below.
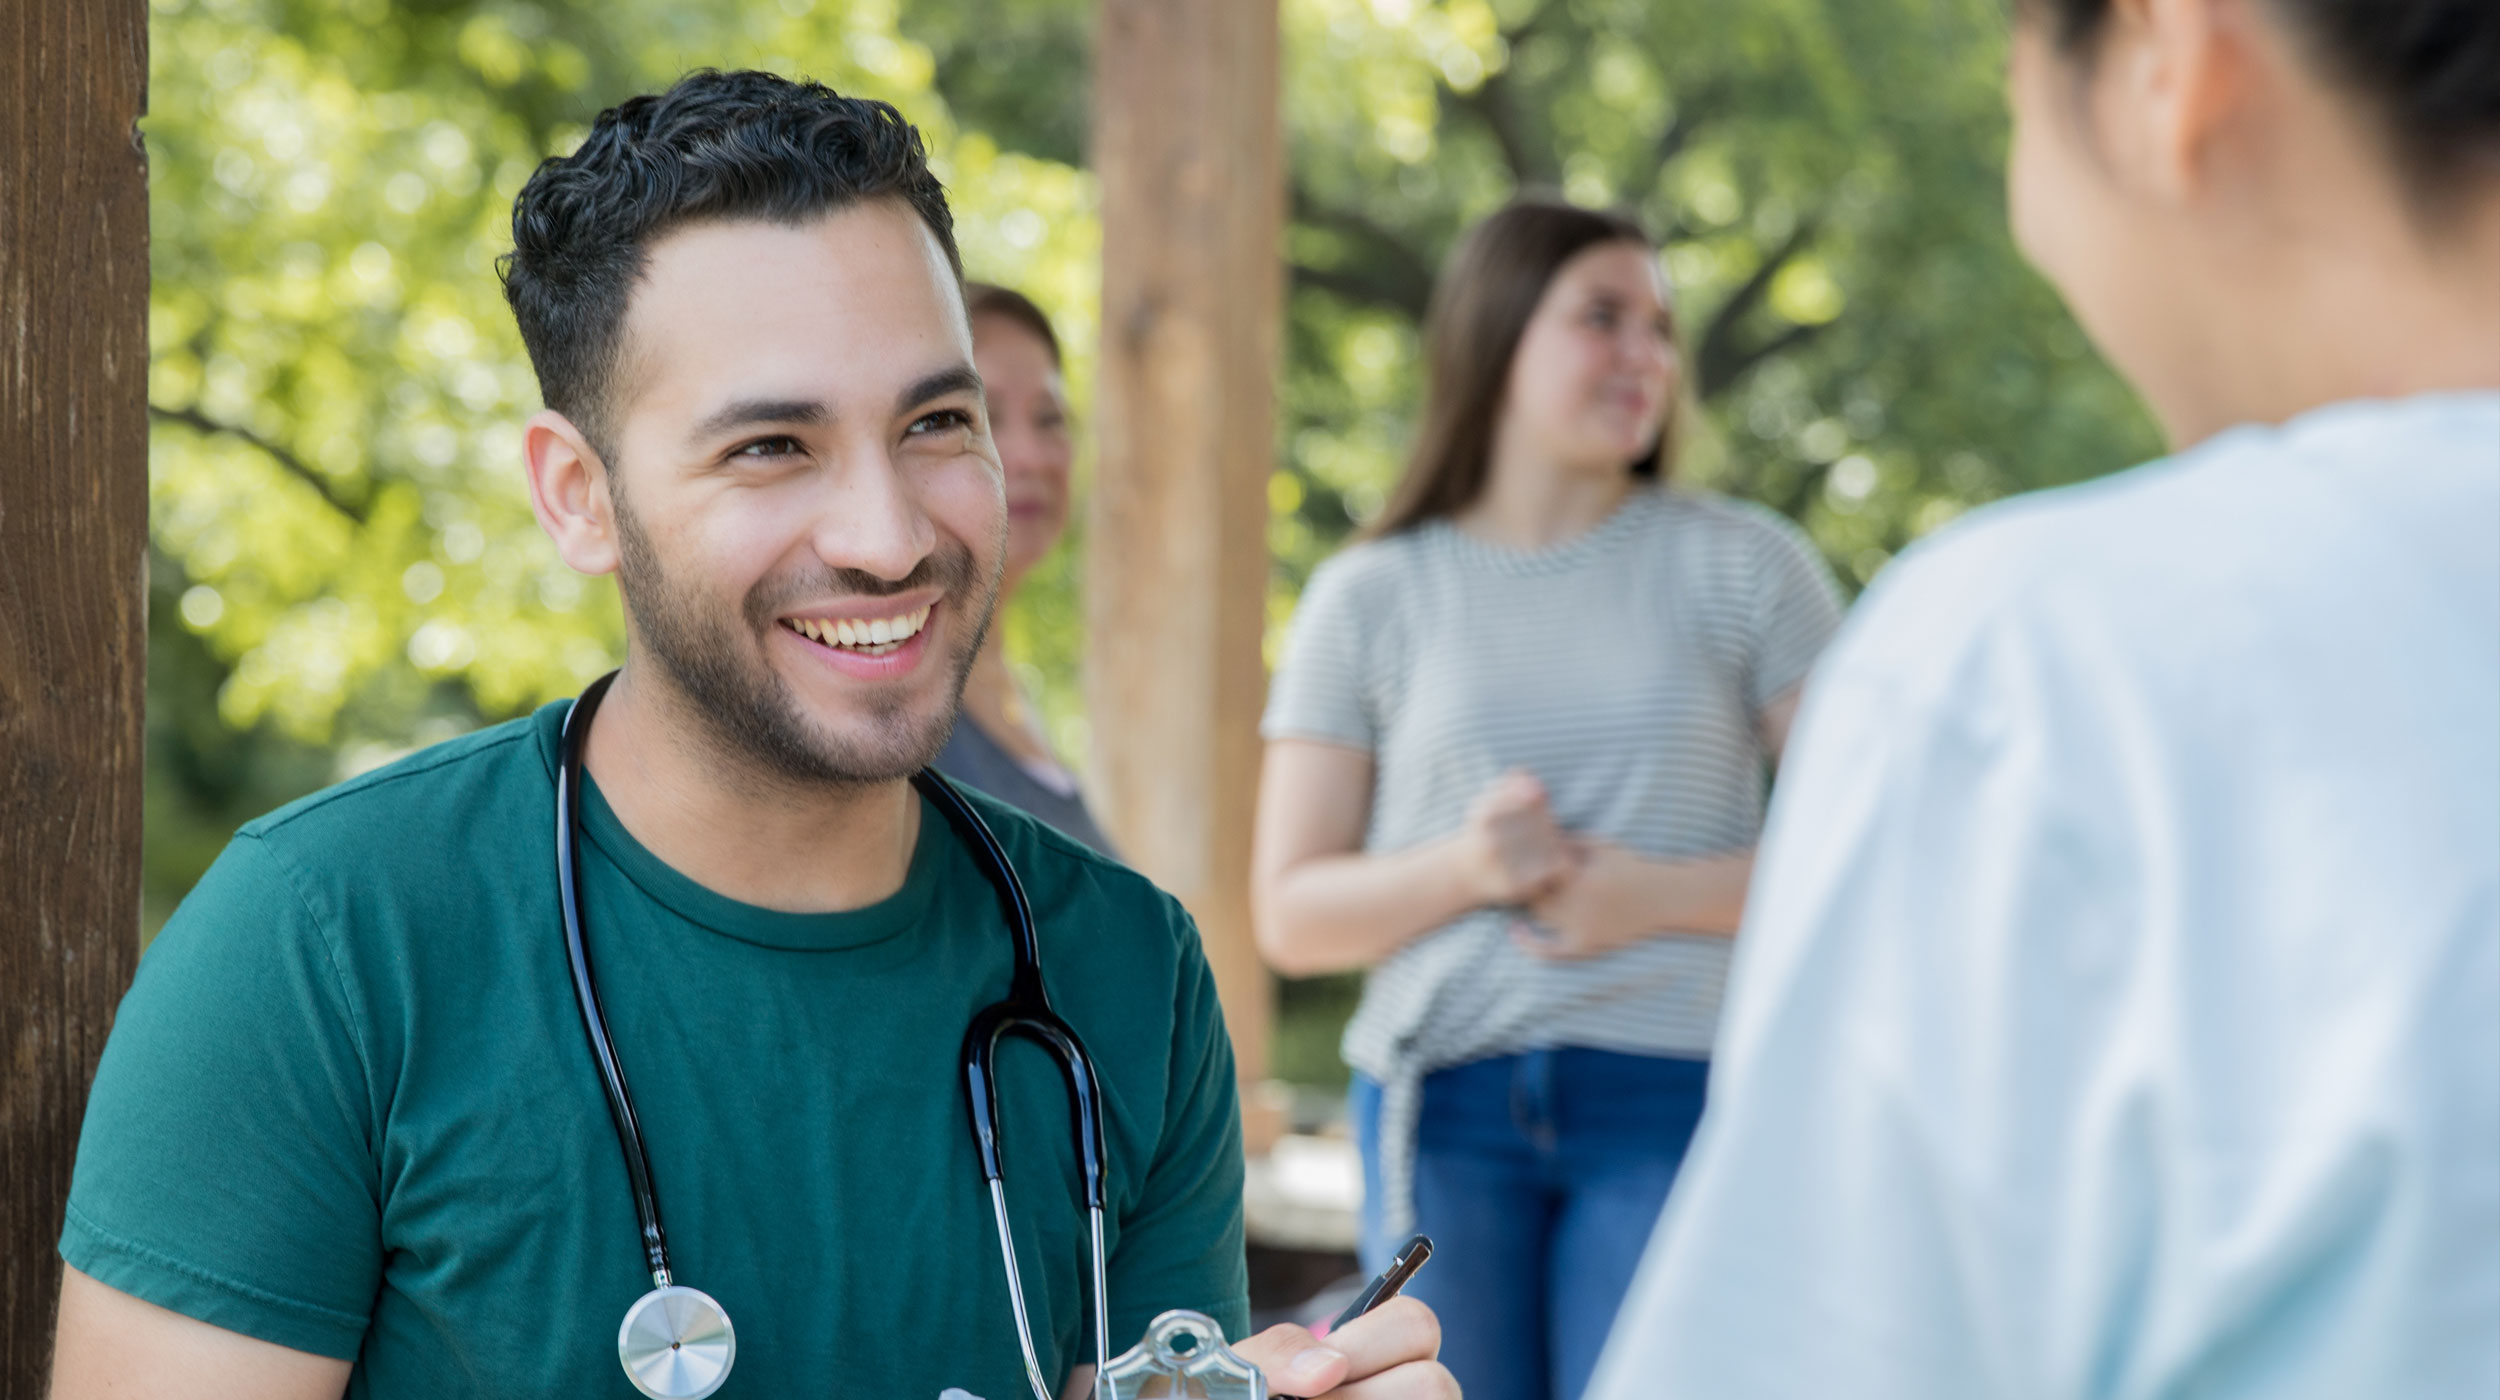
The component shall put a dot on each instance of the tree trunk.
(73, 603)
(1189, 147)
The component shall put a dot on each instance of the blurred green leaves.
(1826, 176)
(346, 562)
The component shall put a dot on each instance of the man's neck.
(739, 832)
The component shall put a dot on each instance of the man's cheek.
(972, 506)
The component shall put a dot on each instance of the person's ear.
(2181, 71)
(569, 492)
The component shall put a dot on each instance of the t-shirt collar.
(749, 923)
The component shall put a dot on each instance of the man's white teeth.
(874, 635)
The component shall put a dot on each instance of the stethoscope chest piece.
(676, 1341)
(676, 1344)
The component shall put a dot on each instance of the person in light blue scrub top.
(2117, 1009)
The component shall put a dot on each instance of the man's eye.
(769, 447)
(945, 420)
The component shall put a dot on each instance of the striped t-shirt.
(1626, 669)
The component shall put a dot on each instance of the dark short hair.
(1006, 303)
(743, 145)
(1480, 310)
(2429, 70)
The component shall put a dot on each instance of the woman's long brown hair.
(1479, 310)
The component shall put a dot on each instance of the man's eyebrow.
(749, 413)
(959, 379)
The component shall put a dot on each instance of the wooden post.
(73, 603)
(1188, 144)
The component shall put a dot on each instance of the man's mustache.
(949, 569)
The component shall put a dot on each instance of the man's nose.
(870, 519)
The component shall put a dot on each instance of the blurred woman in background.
(999, 746)
(1515, 765)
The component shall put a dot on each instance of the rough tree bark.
(73, 603)
(1189, 145)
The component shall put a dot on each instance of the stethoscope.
(676, 1342)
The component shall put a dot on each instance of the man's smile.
(869, 636)
(871, 639)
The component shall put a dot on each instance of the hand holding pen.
(1387, 1342)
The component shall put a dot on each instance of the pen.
(1411, 1256)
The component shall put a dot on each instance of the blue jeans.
(1539, 1177)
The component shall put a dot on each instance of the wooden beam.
(73, 604)
(1189, 148)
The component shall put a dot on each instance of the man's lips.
(886, 661)
(876, 633)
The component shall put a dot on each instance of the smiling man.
(349, 1135)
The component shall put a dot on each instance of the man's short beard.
(746, 707)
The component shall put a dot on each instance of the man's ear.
(569, 491)
(2185, 76)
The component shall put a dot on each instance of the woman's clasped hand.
(1575, 896)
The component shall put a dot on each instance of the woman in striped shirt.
(1516, 762)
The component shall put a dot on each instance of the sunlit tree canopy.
(346, 562)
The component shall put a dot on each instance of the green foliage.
(346, 562)
(1826, 176)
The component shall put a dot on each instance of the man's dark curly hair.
(743, 145)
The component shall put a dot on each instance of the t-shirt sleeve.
(226, 1168)
(1181, 1246)
(1320, 690)
(1796, 609)
(1886, 1099)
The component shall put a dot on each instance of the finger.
(1293, 1362)
(1393, 1334)
(1534, 935)
(1520, 787)
(1415, 1380)
(1514, 813)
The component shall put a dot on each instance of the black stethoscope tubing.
(1025, 1012)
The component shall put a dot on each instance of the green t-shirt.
(348, 1105)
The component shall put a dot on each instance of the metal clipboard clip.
(1183, 1357)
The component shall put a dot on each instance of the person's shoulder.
(351, 870)
(2122, 554)
(1363, 588)
(1059, 871)
(2135, 531)
(1728, 528)
(440, 789)
(1375, 567)
(1715, 512)
(2237, 499)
